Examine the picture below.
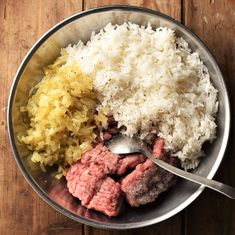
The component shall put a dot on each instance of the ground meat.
(92, 187)
(90, 179)
(101, 156)
(147, 181)
(129, 162)
(75, 171)
(150, 139)
(107, 136)
(111, 130)
(84, 186)
(111, 121)
(158, 148)
(111, 163)
(108, 199)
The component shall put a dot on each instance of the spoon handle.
(212, 184)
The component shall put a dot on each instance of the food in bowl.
(127, 79)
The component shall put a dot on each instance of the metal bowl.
(54, 192)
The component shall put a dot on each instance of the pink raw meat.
(147, 181)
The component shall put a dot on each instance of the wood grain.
(173, 225)
(171, 7)
(214, 22)
(22, 23)
(21, 210)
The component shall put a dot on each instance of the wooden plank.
(22, 23)
(214, 22)
(171, 7)
(21, 210)
(173, 225)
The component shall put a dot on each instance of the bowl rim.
(32, 182)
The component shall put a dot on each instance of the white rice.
(149, 78)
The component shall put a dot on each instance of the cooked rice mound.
(152, 82)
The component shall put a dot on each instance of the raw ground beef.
(111, 130)
(111, 163)
(88, 179)
(91, 187)
(91, 180)
(147, 181)
(84, 186)
(101, 156)
(129, 162)
(108, 199)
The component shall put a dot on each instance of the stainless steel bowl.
(79, 27)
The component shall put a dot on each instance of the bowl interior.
(80, 27)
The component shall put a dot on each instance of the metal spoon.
(124, 145)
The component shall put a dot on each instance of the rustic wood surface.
(22, 23)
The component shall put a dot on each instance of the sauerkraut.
(61, 115)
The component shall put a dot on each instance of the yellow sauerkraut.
(62, 115)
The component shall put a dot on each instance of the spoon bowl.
(124, 145)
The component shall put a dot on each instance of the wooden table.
(22, 22)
